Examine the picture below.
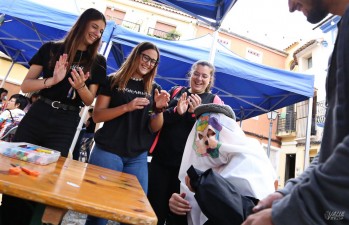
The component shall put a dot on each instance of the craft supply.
(26, 170)
(44, 150)
(14, 171)
(29, 152)
(30, 172)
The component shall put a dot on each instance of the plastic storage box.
(29, 152)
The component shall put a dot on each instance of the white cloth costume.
(216, 141)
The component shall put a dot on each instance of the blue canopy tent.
(28, 25)
(216, 10)
(211, 12)
(250, 89)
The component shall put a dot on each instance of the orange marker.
(27, 171)
(30, 172)
(14, 171)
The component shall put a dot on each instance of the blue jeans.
(137, 166)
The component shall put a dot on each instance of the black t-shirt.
(63, 91)
(129, 134)
(174, 133)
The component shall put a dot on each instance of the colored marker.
(43, 150)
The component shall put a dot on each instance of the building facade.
(300, 127)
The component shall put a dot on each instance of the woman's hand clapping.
(161, 98)
(77, 81)
(188, 103)
(137, 103)
(60, 69)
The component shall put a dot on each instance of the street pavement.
(75, 218)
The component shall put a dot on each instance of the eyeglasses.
(12, 100)
(146, 58)
(197, 74)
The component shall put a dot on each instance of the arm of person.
(88, 94)
(171, 115)
(182, 104)
(195, 101)
(212, 192)
(178, 205)
(268, 201)
(103, 113)
(31, 83)
(323, 192)
(161, 101)
(312, 200)
(156, 122)
(77, 81)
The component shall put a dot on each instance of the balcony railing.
(163, 34)
(127, 24)
(320, 113)
(287, 124)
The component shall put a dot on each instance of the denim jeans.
(137, 166)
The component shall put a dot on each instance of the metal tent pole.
(308, 133)
(213, 47)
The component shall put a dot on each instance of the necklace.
(77, 65)
(72, 93)
(136, 79)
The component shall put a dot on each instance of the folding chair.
(8, 136)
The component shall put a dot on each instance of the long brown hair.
(76, 35)
(129, 67)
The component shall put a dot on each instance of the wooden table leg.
(53, 215)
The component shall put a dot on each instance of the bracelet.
(45, 83)
(157, 110)
(81, 87)
(153, 115)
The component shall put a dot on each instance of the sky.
(269, 22)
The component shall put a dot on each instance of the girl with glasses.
(131, 107)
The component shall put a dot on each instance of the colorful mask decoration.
(206, 142)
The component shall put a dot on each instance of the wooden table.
(85, 188)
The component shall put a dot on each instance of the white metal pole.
(269, 137)
(213, 47)
(308, 133)
(77, 133)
